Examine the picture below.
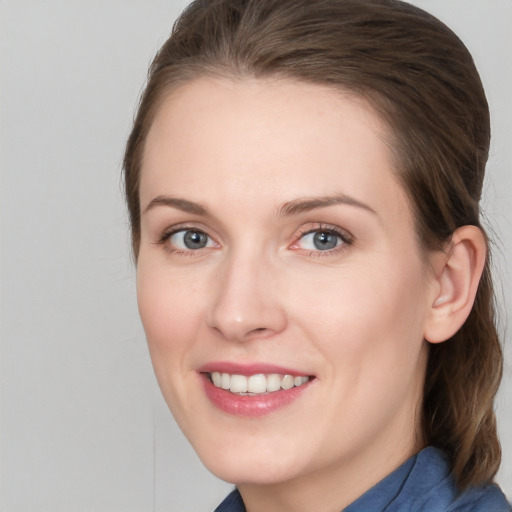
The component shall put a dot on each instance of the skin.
(353, 316)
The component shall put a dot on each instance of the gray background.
(82, 423)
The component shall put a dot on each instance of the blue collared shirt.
(422, 484)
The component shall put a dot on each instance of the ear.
(457, 274)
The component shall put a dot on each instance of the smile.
(253, 390)
(258, 384)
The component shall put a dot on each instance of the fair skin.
(274, 232)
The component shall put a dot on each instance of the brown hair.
(421, 79)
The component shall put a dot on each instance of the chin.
(243, 469)
(251, 458)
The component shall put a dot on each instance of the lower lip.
(251, 406)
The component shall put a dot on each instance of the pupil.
(325, 241)
(195, 240)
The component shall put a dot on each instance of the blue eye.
(190, 239)
(320, 240)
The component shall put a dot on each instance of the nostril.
(259, 332)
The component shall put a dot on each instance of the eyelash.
(166, 236)
(346, 240)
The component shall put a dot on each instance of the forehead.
(272, 138)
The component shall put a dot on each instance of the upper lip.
(249, 368)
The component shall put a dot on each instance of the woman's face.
(277, 241)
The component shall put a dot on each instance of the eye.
(190, 240)
(321, 239)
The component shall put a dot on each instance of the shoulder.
(434, 488)
(481, 499)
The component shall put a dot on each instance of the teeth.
(225, 380)
(273, 382)
(238, 384)
(288, 382)
(256, 384)
(216, 379)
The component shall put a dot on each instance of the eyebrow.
(176, 202)
(293, 207)
(306, 204)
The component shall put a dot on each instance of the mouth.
(258, 384)
(253, 390)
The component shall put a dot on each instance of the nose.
(246, 303)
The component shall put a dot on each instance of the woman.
(303, 180)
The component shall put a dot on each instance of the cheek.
(367, 311)
(368, 326)
(169, 311)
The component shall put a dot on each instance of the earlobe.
(457, 274)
